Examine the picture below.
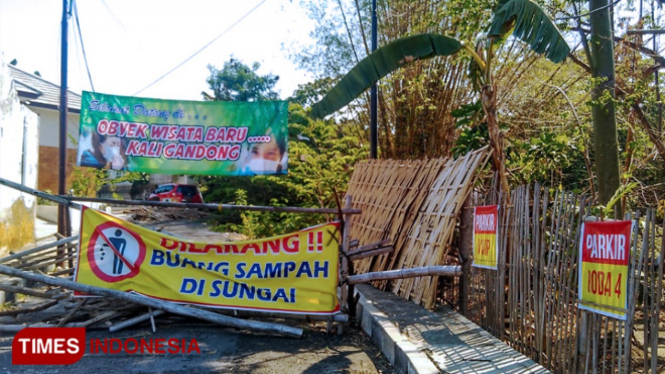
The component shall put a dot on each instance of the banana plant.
(524, 19)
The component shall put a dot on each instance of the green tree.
(523, 18)
(321, 155)
(239, 82)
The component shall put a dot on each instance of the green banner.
(183, 137)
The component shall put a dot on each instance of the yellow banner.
(294, 273)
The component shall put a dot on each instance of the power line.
(110, 12)
(201, 50)
(85, 57)
(589, 13)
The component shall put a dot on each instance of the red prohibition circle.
(91, 253)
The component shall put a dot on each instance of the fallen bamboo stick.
(451, 271)
(72, 312)
(158, 304)
(36, 308)
(54, 261)
(371, 253)
(62, 272)
(18, 327)
(37, 263)
(44, 253)
(135, 320)
(25, 291)
(102, 317)
(39, 249)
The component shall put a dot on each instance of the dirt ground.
(225, 350)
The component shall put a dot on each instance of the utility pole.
(373, 101)
(64, 228)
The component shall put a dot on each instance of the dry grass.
(18, 229)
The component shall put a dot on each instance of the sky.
(131, 43)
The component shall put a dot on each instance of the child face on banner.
(264, 157)
(110, 148)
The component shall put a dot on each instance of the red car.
(177, 193)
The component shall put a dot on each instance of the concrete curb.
(416, 340)
(402, 354)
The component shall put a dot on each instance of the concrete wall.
(19, 129)
(49, 128)
(49, 146)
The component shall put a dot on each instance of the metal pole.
(373, 103)
(63, 228)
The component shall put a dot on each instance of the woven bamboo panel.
(407, 212)
(381, 188)
(414, 204)
(429, 237)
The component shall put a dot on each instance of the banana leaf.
(531, 24)
(379, 64)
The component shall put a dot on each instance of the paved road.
(225, 350)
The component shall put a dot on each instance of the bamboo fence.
(531, 301)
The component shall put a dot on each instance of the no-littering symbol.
(115, 252)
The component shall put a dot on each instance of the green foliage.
(473, 130)
(43, 201)
(321, 158)
(248, 225)
(608, 210)
(309, 93)
(380, 63)
(239, 82)
(552, 158)
(86, 182)
(531, 25)
(332, 54)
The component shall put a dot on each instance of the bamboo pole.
(25, 291)
(69, 201)
(369, 247)
(40, 256)
(450, 271)
(375, 252)
(637, 260)
(158, 304)
(348, 199)
(209, 206)
(39, 249)
(135, 320)
(657, 302)
(36, 308)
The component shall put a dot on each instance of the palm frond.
(532, 26)
(380, 63)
